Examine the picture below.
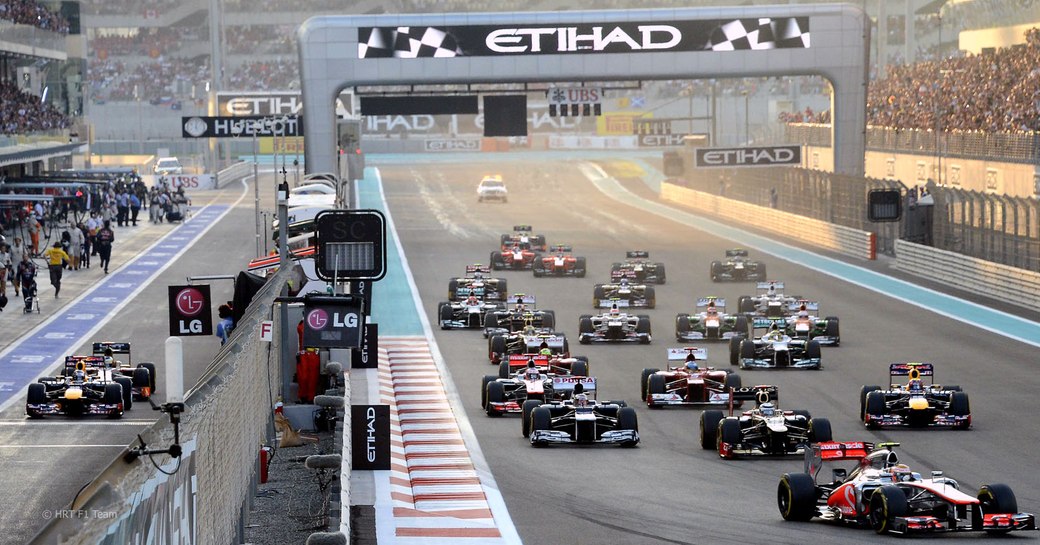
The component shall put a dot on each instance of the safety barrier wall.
(845, 240)
(1009, 284)
(228, 416)
(234, 172)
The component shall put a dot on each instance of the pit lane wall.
(1020, 287)
(204, 499)
(845, 240)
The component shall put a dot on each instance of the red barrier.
(307, 374)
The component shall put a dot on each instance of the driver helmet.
(532, 369)
(109, 360)
(545, 352)
(803, 312)
(915, 385)
(623, 282)
(478, 275)
(691, 362)
(79, 375)
(614, 311)
(901, 472)
(767, 409)
(772, 289)
(580, 398)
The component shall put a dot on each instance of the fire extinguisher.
(265, 460)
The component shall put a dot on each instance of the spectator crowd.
(28, 12)
(22, 112)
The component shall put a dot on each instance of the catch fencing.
(228, 417)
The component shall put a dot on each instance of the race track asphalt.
(669, 490)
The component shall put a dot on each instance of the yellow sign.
(618, 124)
(291, 145)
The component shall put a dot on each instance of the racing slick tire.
(491, 320)
(796, 497)
(496, 261)
(567, 348)
(745, 304)
(488, 379)
(113, 395)
(682, 326)
(152, 377)
(127, 392)
(538, 266)
(655, 385)
(875, 406)
(141, 379)
(453, 288)
(37, 395)
(503, 368)
(643, 381)
(734, 350)
(538, 241)
(812, 349)
(541, 419)
(650, 296)
(598, 294)
(710, 428)
(579, 265)
(660, 273)
(996, 498)
(549, 319)
(832, 330)
(747, 349)
(716, 269)
(729, 432)
(740, 325)
(733, 381)
(496, 393)
(503, 289)
(886, 503)
(585, 324)
(525, 421)
(580, 369)
(820, 430)
(762, 272)
(628, 420)
(498, 346)
(444, 314)
(863, 393)
(960, 406)
(643, 325)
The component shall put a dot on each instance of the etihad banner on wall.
(268, 103)
(623, 37)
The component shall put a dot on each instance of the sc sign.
(351, 245)
(190, 311)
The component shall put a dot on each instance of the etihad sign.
(569, 39)
(748, 157)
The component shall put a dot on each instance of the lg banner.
(332, 321)
(190, 311)
(370, 436)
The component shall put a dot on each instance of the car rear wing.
(520, 360)
(561, 248)
(522, 228)
(759, 394)
(98, 348)
(913, 371)
(765, 323)
(552, 341)
(566, 383)
(705, 301)
(521, 298)
(810, 306)
(764, 286)
(84, 362)
(737, 252)
(677, 354)
(834, 451)
(477, 268)
(618, 274)
(637, 254)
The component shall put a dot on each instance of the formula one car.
(636, 268)
(804, 322)
(477, 282)
(492, 188)
(764, 430)
(507, 394)
(522, 237)
(737, 267)
(514, 258)
(916, 404)
(86, 387)
(614, 326)
(624, 294)
(887, 496)
(142, 376)
(688, 383)
(774, 350)
(469, 313)
(583, 419)
(521, 315)
(710, 322)
(529, 341)
(768, 302)
(560, 263)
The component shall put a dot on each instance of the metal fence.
(834, 198)
(1019, 147)
(996, 228)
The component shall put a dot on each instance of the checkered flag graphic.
(758, 34)
(406, 43)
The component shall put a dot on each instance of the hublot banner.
(623, 37)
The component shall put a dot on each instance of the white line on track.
(76, 423)
(69, 445)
